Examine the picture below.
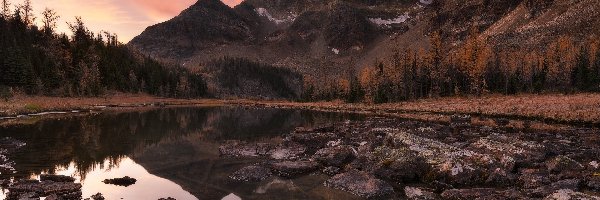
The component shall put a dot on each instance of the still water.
(172, 152)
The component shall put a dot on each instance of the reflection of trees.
(90, 140)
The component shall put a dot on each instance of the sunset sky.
(127, 18)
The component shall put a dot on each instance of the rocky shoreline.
(383, 158)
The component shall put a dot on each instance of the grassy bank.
(550, 108)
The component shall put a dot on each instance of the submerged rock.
(361, 184)
(236, 148)
(335, 156)
(460, 120)
(291, 169)
(56, 178)
(567, 194)
(125, 181)
(251, 174)
(97, 196)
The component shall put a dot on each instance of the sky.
(126, 18)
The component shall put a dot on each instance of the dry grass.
(581, 108)
(33, 104)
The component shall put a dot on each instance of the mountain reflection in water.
(178, 144)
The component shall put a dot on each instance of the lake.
(172, 152)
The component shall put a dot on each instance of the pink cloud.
(127, 18)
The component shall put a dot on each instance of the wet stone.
(593, 183)
(291, 169)
(56, 178)
(481, 193)
(567, 194)
(288, 152)
(251, 174)
(400, 165)
(125, 181)
(563, 164)
(540, 192)
(414, 193)
(312, 140)
(530, 179)
(331, 171)
(64, 190)
(460, 120)
(361, 184)
(335, 156)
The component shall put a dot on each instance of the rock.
(235, 148)
(564, 164)
(413, 193)
(530, 179)
(312, 140)
(593, 183)
(291, 169)
(594, 164)
(97, 196)
(125, 181)
(288, 152)
(500, 177)
(10, 145)
(502, 121)
(540, 192)
(64, 190)
(361, 184)
(449, 163)
(168, 198)
(481, 193)
(509, 150)
(400, 165)
(335, 156)
(460, 120)
(51, 197)
(56, 178)
(251, 174)
(331, 171)
(567, 194)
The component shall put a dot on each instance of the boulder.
(361, 184)
(291, 169)
(510, 151)
(288, 152)
(593, 183)
(543, 191)
(567, 194)
(530, 179)
(251, 174)
(97, 196)
(460, 120)
(414, 193)
(335, 156)
(454, 165)
(312, 140)
(563, 164)
(400, 165)
(235, 148)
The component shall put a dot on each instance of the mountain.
(332, 37)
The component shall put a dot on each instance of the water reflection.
(179, 144)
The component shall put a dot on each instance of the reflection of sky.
(148, 186)
(127, 18)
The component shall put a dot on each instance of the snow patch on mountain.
(388, 22)
(263, 12)
(426, 2)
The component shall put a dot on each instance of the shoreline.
(582, 110)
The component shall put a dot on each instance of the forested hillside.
(38, 61)
(474, 68)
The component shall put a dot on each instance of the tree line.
(474, 68)
(38, 61)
